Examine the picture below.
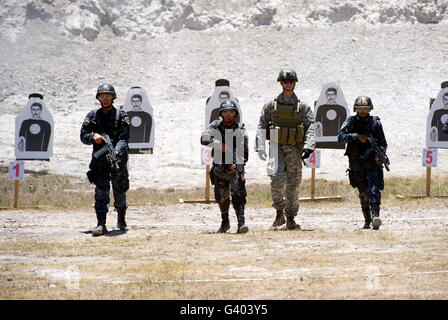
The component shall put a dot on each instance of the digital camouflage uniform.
(221, 175)
(114, 123)
(285, 163)
(364, 173)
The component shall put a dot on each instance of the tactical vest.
(356, 148)
(100, 125)
(117, 116)
(287, 123)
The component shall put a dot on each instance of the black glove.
(306, 153)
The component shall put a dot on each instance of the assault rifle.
(109, 150)
(379, 153)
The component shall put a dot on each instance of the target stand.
(207, 190)
(429, 160)
(313, 162)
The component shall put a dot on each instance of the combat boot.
(121, 223)
(367, 217)
(291, 224)
(279, 219)
(100, 229)
(242, 228)
(376, 221)
(225, 224)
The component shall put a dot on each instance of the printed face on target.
(224, 95)
(36, 110)
(136, 102)
(331, 94)
(445, 100)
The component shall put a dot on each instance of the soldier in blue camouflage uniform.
(115, 123)
(230, 150)
(289, 125)
(365, 170)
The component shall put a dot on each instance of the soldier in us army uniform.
(230, 154)
(115, 123)
(365, 170)
(289, 125)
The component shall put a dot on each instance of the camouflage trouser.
(286, 180)
(223, 180)
(368, 177)
(102, 178)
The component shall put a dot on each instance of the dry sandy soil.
(174, 253)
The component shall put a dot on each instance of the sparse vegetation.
(55, 191)
(172, 252)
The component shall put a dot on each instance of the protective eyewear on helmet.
(363, 108)
(288, 81)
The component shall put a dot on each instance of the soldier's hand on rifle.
(107, 156)
(99, 138)
(233, 167)
(363, 138)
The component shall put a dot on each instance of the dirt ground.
(173, 252)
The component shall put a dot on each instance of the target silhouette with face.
(330, 113)
(222, 92)
(140, 113)
(34, 129)
(437, 117)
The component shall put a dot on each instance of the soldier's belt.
(285, 135)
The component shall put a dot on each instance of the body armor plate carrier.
(286, 123)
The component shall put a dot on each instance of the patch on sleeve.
(127, 120)
(344, 125)
(266, 107)
(86, 121)
(378, 122)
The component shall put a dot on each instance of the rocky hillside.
(84, 19)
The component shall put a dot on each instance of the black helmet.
(228, 105)
(106, 88)
(287, 74)
(362, 101)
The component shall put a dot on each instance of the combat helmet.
(228, 105)
(287, 74)
(106, 88)
(362, 101)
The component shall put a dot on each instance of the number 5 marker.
(429, 158)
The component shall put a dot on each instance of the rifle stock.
(108, 150)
